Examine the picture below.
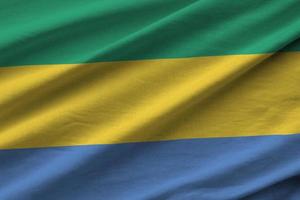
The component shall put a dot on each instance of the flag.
(149, 99)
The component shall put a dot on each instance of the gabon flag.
(149, 100)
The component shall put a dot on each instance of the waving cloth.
(149, 100)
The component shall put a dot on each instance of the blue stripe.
(257, 168)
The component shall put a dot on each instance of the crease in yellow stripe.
(149, 100)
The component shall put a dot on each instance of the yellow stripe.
(150, 100)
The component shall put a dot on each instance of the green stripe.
(71, 31)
